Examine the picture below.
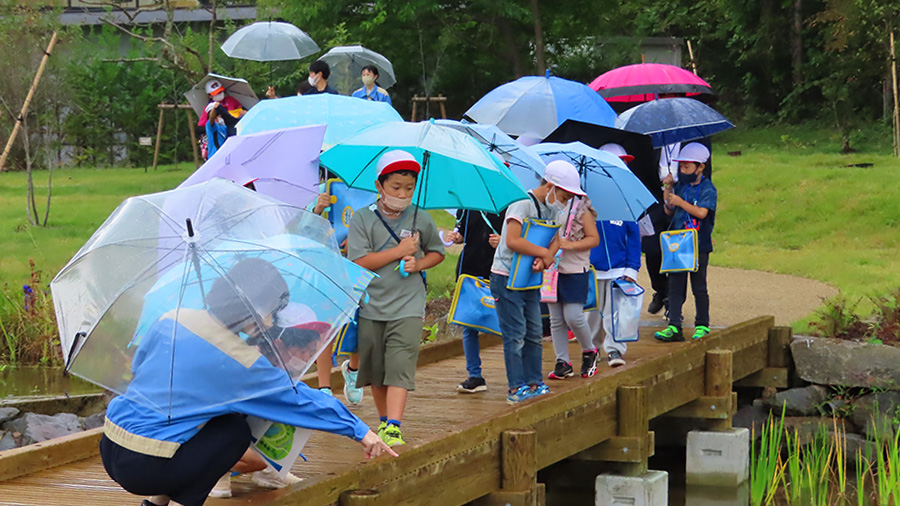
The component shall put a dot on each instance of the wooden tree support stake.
(896, 110)
(159, 129)
(440, 99)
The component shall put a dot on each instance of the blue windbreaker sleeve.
(306, 408)
(632, 245)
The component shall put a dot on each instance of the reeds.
(766, 468)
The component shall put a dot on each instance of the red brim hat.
(320, 327)
(627, 158)
(216, 91)
(410, 165)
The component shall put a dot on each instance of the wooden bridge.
(470, 448)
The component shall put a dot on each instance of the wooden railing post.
(518, 471)
(780, 347)
(633, 422)
(360, 498)
(719, 379)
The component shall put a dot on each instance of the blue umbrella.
(672, 120)
(615, 192)
(525, 164)
(536, 105)
(344, 116)
(457, 172)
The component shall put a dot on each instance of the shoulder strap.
(387, 227)
(536, 205)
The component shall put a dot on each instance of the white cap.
(564, 175)
(617, 150)
(300, 316)
(395, 160)
(693, 152)
(214, 87)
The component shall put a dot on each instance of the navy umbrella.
(672, 120)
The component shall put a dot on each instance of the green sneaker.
(392, 436)
(700, 332)
(669, 334)
(380, 431)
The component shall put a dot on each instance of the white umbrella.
(347, 62)
(269, 41)
(234, 87)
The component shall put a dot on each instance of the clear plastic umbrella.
(347, 62)
(201, 282)
(270, 41)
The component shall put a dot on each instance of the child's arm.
(413, 264)
(590, 240)
(695, 211)
(376, 260)
(520, 245)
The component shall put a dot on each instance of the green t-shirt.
(391, 296)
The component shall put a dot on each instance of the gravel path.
(738, 295)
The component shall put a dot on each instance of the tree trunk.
(797, 42)
(30, 207)
(538, 39)
(512, 52)
(212, 34)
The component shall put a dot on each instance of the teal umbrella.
(457, 172)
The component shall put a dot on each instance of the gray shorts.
(388, 352)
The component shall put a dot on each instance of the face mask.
(368, 80)
(219, 97)
(395, 203)
(312, 80)
(687, 178)
(555, 205)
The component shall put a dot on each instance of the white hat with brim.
(564, 175)
(693, 152)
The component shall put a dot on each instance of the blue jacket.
(619, 251)
(215, 373)
(378, 94)
(703, 194)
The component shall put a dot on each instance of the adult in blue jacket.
(198, 431)
(370, 89)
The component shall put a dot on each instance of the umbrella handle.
(447, 244)
(402, 269)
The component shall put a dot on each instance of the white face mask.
(368, 80)
(395, 203)
(555, 205)
(313, 80)
(219, 97)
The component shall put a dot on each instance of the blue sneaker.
(541, 389)
(353, 395)
(523, 393)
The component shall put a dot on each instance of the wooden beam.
(780, 347)
(633, 421)
(712, 408)
(776, 377)
(360, 498)
(619, 449)
(720, 381)
(55, 452)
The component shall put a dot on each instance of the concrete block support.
(648, 489)
(699, 495)
(718, 459)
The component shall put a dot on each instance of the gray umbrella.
(234, 87)
(347, 62)
(269, 41)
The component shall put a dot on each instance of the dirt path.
(737, 295)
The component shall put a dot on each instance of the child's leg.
(577, 322)
(354, 361)
(371, 360)
(677, 294)
(609, 344)
(701, 295)
(558, 332)
(396, 402)
(511, 313)
(472, 351)
(532, 349)
(401, 352)
(379, 394)
(323, 368)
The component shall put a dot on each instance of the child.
(692, 204)
(478, 230)
(618, 256)
(577, 235)
(381, 238)
(519, 311)
(220, 116)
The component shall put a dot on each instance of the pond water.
(32, 381)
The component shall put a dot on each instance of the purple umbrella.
(283, 163)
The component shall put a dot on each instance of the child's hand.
(270, 93)
(547, 258)
(409, 245)
(323, 201)
(538, 265)
(675, 201)
(668, 180)
(454, 237)
(494, 240)
(565, 244)
(628, 278)
(374, 446)
(410, 263)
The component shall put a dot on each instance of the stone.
(805, 401)
(718, 459)
(7, 441)
(648, 489)
(751, 418)
(858, 448)
(878, 412)
(93, 421)
(828, 361)
(36, 428)
(7, 414)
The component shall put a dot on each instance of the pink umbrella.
(643, 82)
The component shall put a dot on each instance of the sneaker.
(353, 395)
(669, 334)
(700, 332)
(540, 389)
(380, 431)
(615, 358)
(327, 391)
(589, 363)
(562, 370)
(268, 478)
(572, 337)
(392, 436)
(223, 487)
(657, 303)
(472, 385)
(523, 393)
